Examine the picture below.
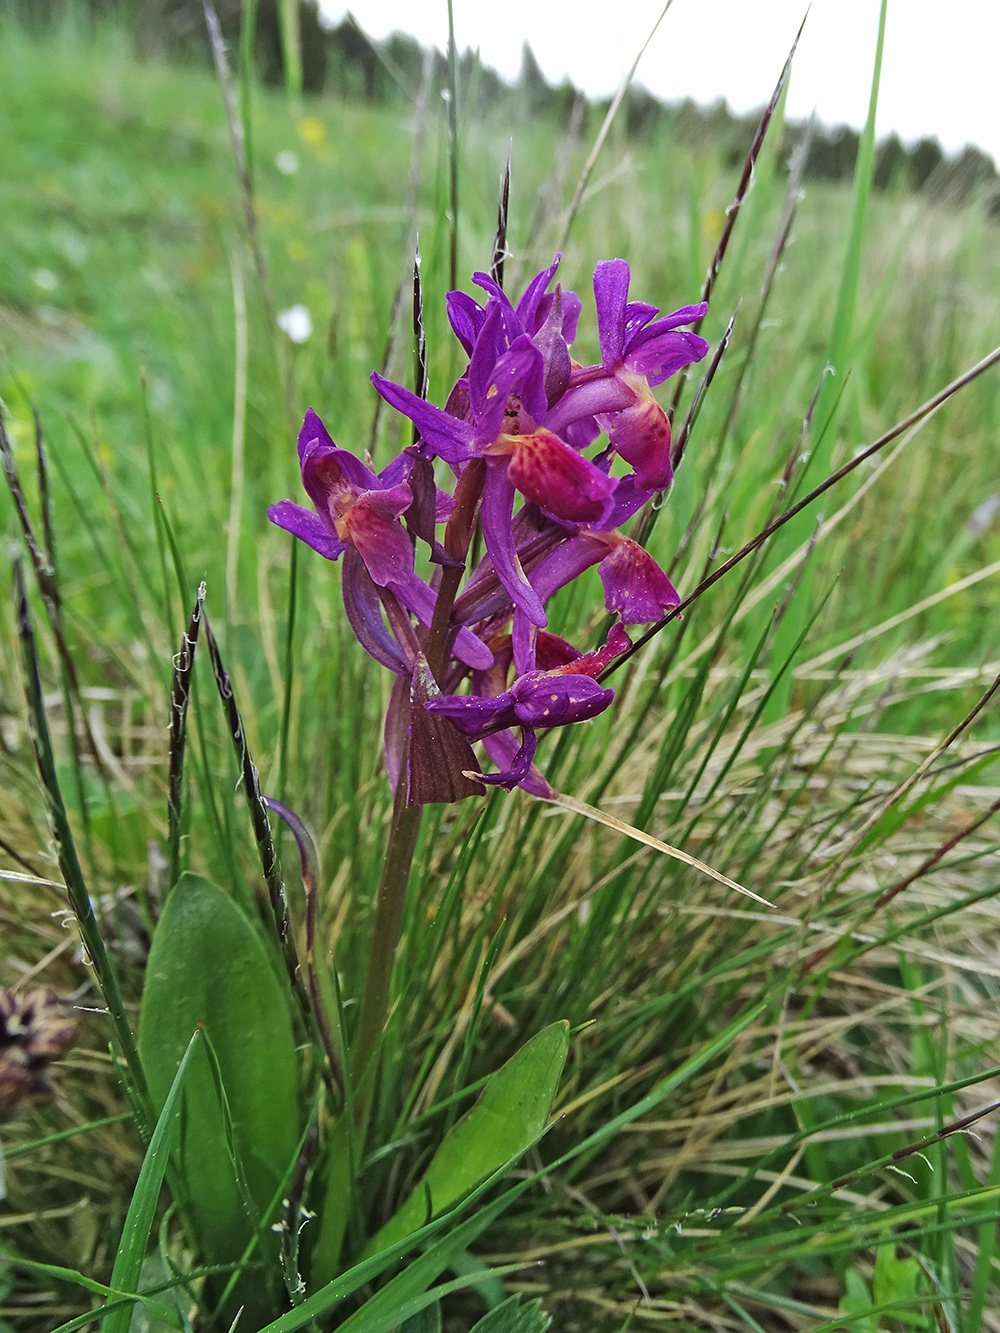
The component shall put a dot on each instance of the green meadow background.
(771, 733)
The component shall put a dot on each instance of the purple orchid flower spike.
(516, 422)
(641, 352)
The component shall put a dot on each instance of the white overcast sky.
(940, 72)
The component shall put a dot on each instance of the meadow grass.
(790, 730)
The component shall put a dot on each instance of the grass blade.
(452, 150)
(602, 133)
(69, 863)
(180, 694)
(139, 1218)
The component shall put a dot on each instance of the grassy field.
(793, 730)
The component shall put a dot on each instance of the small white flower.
(74, 247)
(296, 322)
(287, 162)
(45, 278)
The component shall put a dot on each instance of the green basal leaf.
(426, 1321)
(897, 1280)
(856, 1303)
(209, 968)
(508, 1117)
(513, 1317)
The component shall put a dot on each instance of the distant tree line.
(344, 59)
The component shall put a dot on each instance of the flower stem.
(384, 939)
(405, 826)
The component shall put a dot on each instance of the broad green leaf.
(897, 1281)
(857, 1303)
(508, 1117)
(208, 968)
(139, 1218)
(513, 1317)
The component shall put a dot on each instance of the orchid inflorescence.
(516, 422)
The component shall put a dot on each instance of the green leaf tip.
(508, 1118)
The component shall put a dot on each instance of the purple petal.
(642, 437)
(660, 357)
(561, 566)
(509, 326)
(325, 468)
(688, 314)
(487, 352)
(546, 699)
(558, 479)
(307, 526)
(520, 370)
(527, 307)
(520, 766)
(498, 504)
(510, 758)
(313, 431)
(466, 317)
(398, 470)
(587, 399)
(415, 595)
(364, 614)
(629, 497)
(554, 653)
(372, 523)
(581, 433)
(637, 315)
(475, 717)
(448, 437)
(635, 587)
(593, 663)
(567, 562)
(611, 279)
